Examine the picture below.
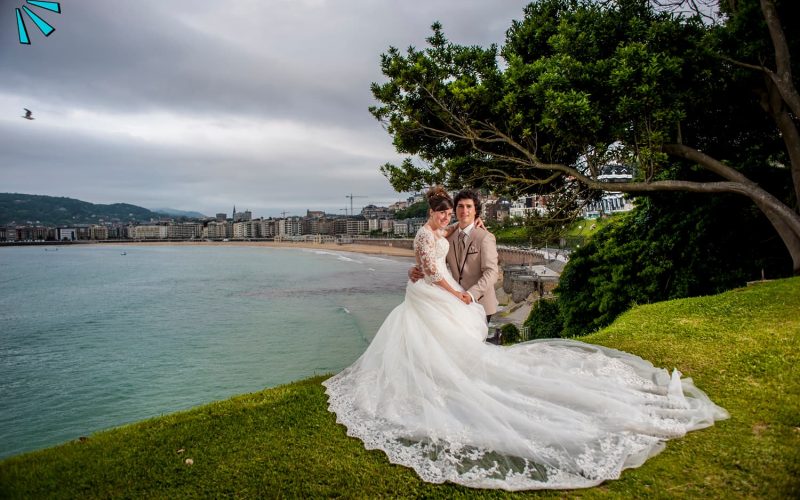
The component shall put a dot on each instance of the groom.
(472, 257)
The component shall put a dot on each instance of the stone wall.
(521, 281)
(506, 256)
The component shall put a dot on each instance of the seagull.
(28, 114)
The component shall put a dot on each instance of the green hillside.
(25, 209)
(742, 347)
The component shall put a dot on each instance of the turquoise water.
(92, 339)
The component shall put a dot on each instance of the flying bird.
(28, 114)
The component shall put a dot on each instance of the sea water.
(97, 336)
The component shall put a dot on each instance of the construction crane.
(283, 214)
(351, 196)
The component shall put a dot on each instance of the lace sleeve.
(425, 251)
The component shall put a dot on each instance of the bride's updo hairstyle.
(438, 199)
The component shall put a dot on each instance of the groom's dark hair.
(472, 195)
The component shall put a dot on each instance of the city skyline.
(195, 105)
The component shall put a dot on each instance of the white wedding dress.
(432, 395)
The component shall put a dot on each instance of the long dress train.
(545, 414)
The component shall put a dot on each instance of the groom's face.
(465, 211)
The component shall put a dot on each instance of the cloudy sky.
(202, 104)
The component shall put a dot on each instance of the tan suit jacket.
(478, 270)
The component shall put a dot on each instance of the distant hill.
(24, 209)
(174, 212)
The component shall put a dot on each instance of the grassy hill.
(54, 211)
(742, 347)
(577, 232)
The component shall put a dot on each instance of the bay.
(92, 339)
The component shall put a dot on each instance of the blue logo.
(40, 23)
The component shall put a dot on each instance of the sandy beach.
(333, 247)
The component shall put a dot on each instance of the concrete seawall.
(506, 256)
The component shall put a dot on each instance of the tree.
(671, 245)
(583, 84)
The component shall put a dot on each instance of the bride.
(553, 413)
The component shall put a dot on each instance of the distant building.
(612, 201)
(375, 212)
(528, 205)
(242, 216)
(496, 210)
(356, 226)
(150, 232)
(99, 232)
(66, 234)
(291, 226)
(218, 230)
(268, 228)
(185, 231)
(315, 214)
(222, 217)
(399, 205)
(401, 227)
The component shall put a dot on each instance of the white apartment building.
(291, 226)
(149, 232)
(401, 228)
(218, 230)
(99, 232)
(186, 231)
(268, 228)
(246, 229)
(357, 226)
(528, 205)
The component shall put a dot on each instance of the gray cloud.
(201, 104)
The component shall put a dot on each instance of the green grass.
(588, 227)
(583, 228)
(742, 347)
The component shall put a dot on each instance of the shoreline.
(350, 247)
(334, 247)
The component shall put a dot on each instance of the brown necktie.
(461, 247)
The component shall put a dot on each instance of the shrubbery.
(545, 320)
(510, 334)
(662, 250)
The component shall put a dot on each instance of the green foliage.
(545, 320)
(419, 209)
(578, 77)
(670, 246)
(584, 83)
(741, 347)
(510, 333)
(49, 210)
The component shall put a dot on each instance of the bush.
(544, 320)
(510, 334)
(670, 246)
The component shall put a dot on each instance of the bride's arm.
(424, 247)
(452, 227)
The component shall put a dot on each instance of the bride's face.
(440, 218)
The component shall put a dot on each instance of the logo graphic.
(40, 23)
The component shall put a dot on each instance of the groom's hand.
(467, 298)
(415, 274)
